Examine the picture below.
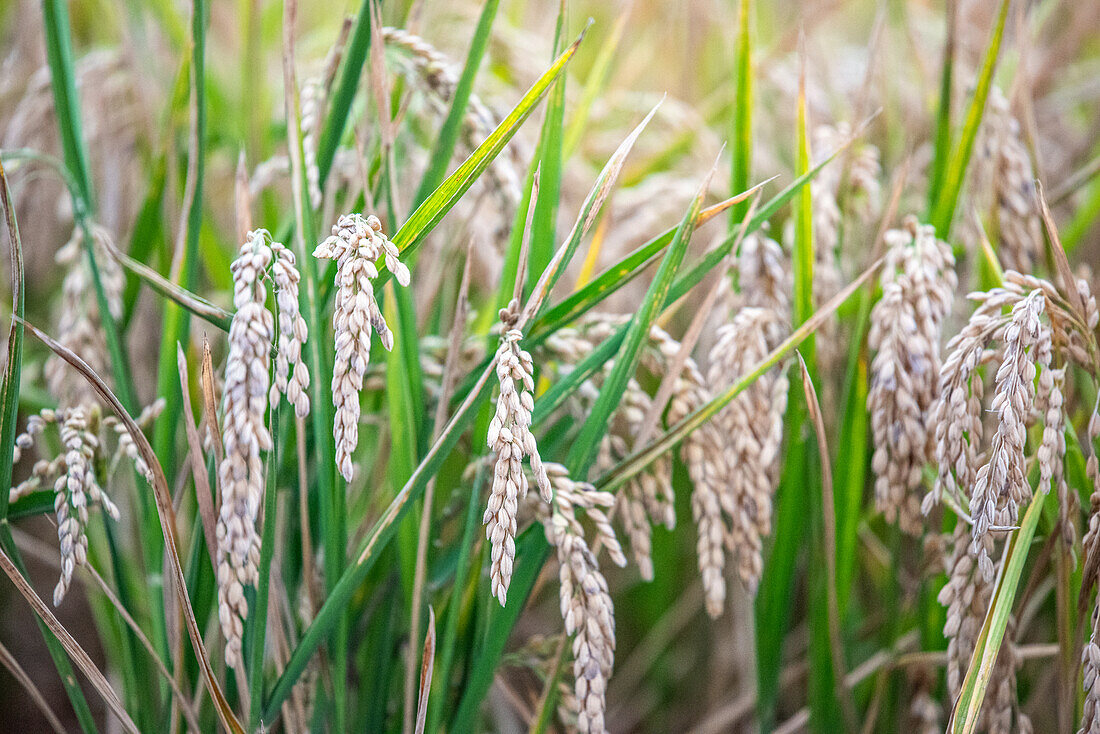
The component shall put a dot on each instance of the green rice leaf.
(452, 126)
(964, 714)
(545, 216)
(626, 360)
(947, 196)
(741, 150)
(447, 194)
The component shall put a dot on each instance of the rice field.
(645, 366)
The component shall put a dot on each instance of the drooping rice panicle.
(967, 596)
(73, 476)
(647, 499)
(1090, 656)
(439, 75)
(312, 101)
(1028, 329)
(75, 490)
(918, 284)
(1008, 176)
(126, 445)
(732, 461)
(833, 198)
(291, 373)
(356, 244)
(763, 275)
(1000, 485)
(244, 436)
(510, 439)
(586, 605)
(1090, 664)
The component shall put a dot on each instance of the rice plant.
(785, 311)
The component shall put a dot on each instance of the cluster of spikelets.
(86, 461)
(1005, 179)
(991, 484)
(72, 474)
(357, 245)
(79, 326)
(736, 470)
(586, 605)
(1090, 657)
(1021, 337)
(248, 391)
(75, 484)
(843, 193)
(918, 285)
(510, 439)
(732, 459)
(425, 67)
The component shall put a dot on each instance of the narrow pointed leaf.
(440, 201)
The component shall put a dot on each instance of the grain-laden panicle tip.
(1090, 656)
(126, 445)
(291, 373)
(74, 491)
(1090, 666)
(357, 245)
(647, 498)
(244, 436)
(733, 458)
(1006, 176)
(967, 596)
(918, 285)
(1001, 483)
(311, 103)
(73, 476)
(835, 197)
(510, 439)
(586, 606)
(1028, 331)
(1091, 541)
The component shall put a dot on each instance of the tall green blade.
(741, 150)
(452, 125)
(588, 440)
(947, 197)
(440, 201)
(550, 167)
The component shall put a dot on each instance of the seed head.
(918, 285)
(244, 436)
(510, 439)
(356, 244)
